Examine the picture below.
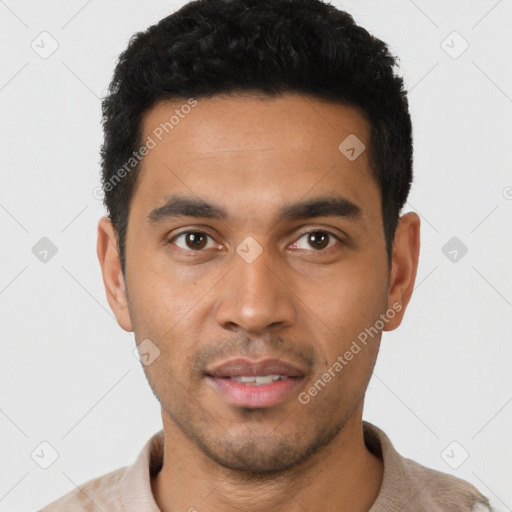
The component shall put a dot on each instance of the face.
(255, 260)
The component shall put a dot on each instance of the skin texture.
(252, 155)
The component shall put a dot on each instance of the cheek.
(161, 294)
(164, 308)
(350, 346)
(350, 301)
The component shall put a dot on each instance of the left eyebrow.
(337, 206)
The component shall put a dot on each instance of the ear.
(404, 265)
(113, 279)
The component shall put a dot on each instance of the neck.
(343, 476)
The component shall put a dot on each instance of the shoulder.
(437, 491)
(101, 493)
(411, 487)
(126, 488)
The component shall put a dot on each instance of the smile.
(255, 384)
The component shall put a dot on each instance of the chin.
(263, 454)
(252, 459)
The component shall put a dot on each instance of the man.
(257, 157)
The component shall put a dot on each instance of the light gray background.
(68, 374)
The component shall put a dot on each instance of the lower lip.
(256, 396)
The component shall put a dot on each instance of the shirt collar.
(136, 486)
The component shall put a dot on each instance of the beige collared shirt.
(406, 487)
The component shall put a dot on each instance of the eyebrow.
(337, 206)
(180, 206)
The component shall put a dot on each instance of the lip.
(240, 366)
(255, 396)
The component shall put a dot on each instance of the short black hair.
(214, 47)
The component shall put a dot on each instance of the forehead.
(252, 146)
(253, 122)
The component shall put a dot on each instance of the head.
(240, 227)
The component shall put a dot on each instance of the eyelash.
(197, 232)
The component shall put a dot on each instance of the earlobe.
(113, 279)
(404, 266)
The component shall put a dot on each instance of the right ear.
(113, 279)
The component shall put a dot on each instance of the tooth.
(243, 379)
(265, 379)
(259, 379)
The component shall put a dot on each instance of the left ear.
(406, 250)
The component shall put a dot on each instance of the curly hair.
(270, 47)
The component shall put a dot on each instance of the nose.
(255, 296)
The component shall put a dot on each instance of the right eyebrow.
(178, 206)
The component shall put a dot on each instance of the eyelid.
(207, 230)
(317, 229)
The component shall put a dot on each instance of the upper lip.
(246, 367)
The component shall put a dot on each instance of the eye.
(318, 240)
(193, 241)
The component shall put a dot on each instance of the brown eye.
(195, 240)
(318, 239)
(191, 240)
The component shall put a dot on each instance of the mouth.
(255, 385)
